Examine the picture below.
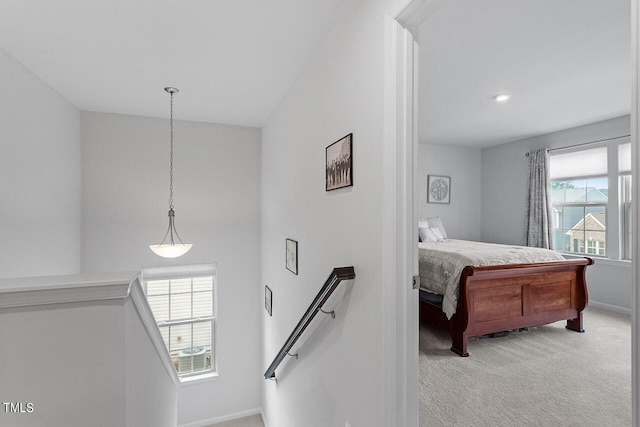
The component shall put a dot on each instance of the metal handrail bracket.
(337, 275)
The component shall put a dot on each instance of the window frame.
(618, 208)
(583, 244)
(626, 215)
(188, 272)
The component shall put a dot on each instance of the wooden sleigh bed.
(499, 298)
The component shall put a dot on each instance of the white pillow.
(422, 234)
(430, 235)
(436, 232)
(436, 222)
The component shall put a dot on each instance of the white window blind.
(577, 163)
(624, 157)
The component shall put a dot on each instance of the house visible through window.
(182, 300)
(589, 216)
(581, 210)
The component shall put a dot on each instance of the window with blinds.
(624, 170)
(182, 300)
(591, 206)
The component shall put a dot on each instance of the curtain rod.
(585, 143)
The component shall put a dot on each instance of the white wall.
(40, 172)
(125, 168)
(504, 189)
(462, 216)
(338, 377)
(78, 384)
(150, 395)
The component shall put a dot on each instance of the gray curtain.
(539, 225)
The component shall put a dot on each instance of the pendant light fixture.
(173, 247)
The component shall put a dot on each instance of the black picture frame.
(291, 256)
(268, 300)
(339, 164)
(438, 189)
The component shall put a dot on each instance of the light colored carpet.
(546, 376)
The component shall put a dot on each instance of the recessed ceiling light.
(502, 97)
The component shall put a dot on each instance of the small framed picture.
(268, 300)
(291, 256)
(339, 164)
(438, 189)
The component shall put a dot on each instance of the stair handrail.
(335, 278)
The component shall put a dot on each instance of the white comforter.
(441, 264)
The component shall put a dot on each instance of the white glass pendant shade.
(174, 247)
(168, 250)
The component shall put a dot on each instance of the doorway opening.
(409, 15)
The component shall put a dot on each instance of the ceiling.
(564, 63)
(231, 60)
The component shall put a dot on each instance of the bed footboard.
(505, 297)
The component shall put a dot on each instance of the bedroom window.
(626, 215)
(591, 199)
(182, 300)
(581, 209)
(624, 169)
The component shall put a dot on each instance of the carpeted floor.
(545, 376)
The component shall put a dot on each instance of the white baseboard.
(204, 423)
(609, 307)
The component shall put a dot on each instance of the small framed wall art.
(339, 164)
(438, 189)
(268, 300)
(291, 256)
